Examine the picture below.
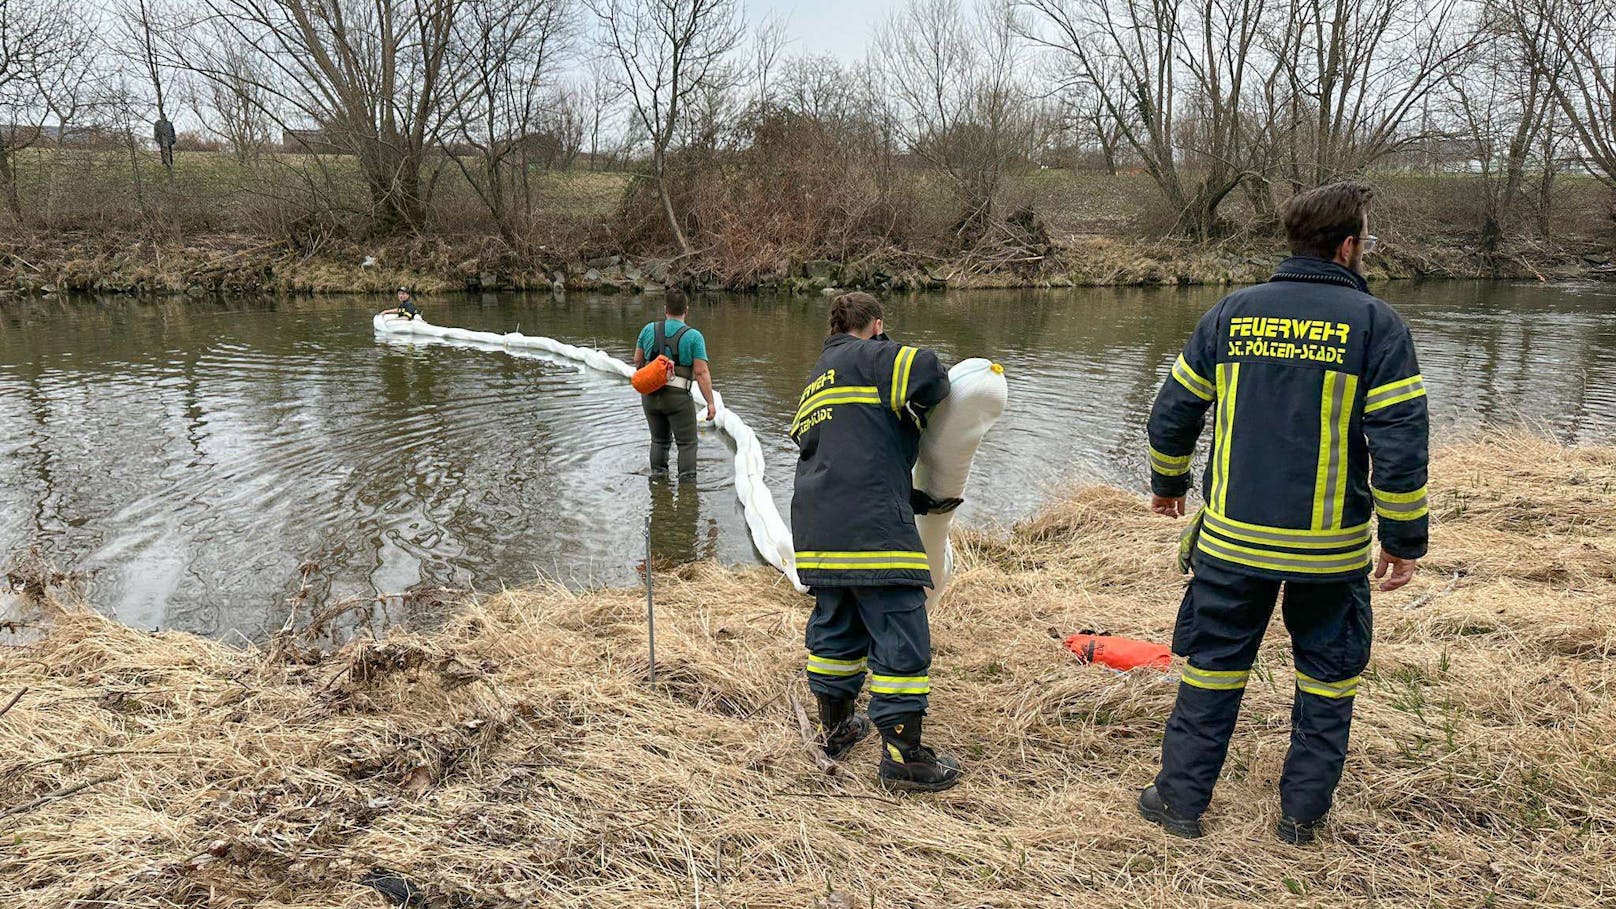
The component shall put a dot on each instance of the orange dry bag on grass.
(653, 375)
(1119, 653)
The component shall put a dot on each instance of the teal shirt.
(692, 346)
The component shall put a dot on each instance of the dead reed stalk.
(516, 757)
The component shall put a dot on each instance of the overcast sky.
(839, 27)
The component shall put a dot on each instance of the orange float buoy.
(652, 376)
(1119, 653)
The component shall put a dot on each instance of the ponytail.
(853, 312)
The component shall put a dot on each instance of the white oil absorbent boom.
(977, 392)
(770, 536)
(975, 401)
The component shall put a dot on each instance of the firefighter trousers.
(1220, 625)
(881, 632)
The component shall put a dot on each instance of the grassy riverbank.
(221, 226)
(518, 756)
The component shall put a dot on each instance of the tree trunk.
(1265, 214)
(394, 181)
(8, 178)
(1491, 233)
(659, 163)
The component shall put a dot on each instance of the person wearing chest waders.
(670, 411)
(406, 305)
(857, 428)
(1320, 426)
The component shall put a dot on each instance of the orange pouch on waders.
(653, 376)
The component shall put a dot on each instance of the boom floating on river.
(956, 429)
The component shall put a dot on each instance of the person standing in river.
(670, 411)
(853, 507)
(1313, 381)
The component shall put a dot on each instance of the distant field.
(213, 192)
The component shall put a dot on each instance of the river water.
(201, 462)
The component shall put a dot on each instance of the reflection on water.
(195, 456)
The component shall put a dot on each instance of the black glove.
(923, 503)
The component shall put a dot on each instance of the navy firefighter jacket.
(857, 429)
(1319, 420)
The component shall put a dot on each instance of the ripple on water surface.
(195, 457)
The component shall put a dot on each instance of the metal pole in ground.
(650, 600)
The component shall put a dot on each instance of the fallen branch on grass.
(56, 796)
(13, 702)
(810, 740)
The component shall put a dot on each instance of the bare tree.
(598, 95)
(1174, 79)
(1572, 44)
(138, 20)
(503, 58)
(768, 43)
(233, 101)
(669, 54)
(370, 75)
(1081, 110)
(1502, 103)
(953, 78)
(1356, 74)
(45, 51)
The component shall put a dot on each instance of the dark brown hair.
(851, 312)
(675, 304)
(1318, 220)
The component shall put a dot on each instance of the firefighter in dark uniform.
(406, 306)
(858, 427)
(1319, 424)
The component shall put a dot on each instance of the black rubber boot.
(840, 726)
(907, 765)
(1154, 810)
(1298, 833)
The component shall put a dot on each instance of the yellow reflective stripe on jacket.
(1290, 538)
(1300, 563)
(1169, 465)
(820, 665)
(900, 684)
(849, 394)
(870, 561)
(1335, 415)
(1402, 506)
(1191, 379)
(1384, 396)
(1222, 441)
(1343, 689)
(835, 391)
(1215, 679)
(900, 377)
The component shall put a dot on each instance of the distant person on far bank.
(165, 137)
(1320, 439)
(670, 411)
(406, 306)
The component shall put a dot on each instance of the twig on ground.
(92, 753)
(810, 741)
(1426, 598)
(13, 702)
(58, 795)
(785, 793)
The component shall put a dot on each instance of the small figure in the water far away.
(406, 306)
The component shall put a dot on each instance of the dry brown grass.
(518, 757)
